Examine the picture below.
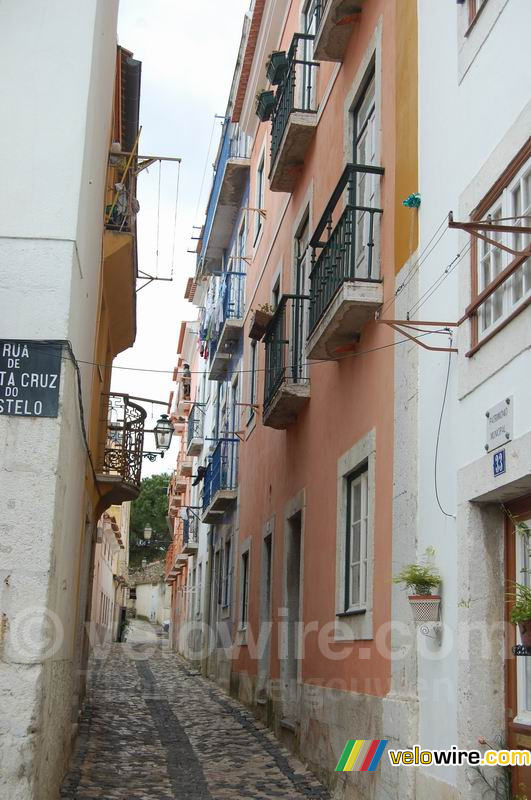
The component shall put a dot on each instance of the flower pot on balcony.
(525, 632)
(276, 67)
(265, 104)
(259, 322)
(425, 607)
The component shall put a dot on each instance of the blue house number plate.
(498, 463)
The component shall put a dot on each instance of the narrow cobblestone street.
(153, 728)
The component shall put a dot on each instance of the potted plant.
(421, 579)
(520, 596)
(260, 320)
(276, 67)
(265, 103)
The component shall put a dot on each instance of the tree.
(150, 508)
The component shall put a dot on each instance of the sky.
(188, 53)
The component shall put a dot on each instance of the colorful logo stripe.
(361, 755)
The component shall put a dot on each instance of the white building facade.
(461, 683)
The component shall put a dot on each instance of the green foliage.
(150, 508)
(520, 596)
(419, 578)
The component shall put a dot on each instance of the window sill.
(474, 349)
(352, 612)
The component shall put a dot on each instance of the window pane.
(355, 542)
(354, 584)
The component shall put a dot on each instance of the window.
(253, 380)
(511, 207)
(259, 195)
(244, 615)
(225, 580)
(356, 541)
(367, 184)
(275, 294)
(241, 247)
(199, 588)
(474, 7)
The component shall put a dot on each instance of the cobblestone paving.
(154, 729)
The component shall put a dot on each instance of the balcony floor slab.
(286, 404)
(352, 306)
(336, 26)
(296, 139)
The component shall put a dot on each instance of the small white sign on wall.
(499, 424)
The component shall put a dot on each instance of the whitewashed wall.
(56, 78)
(473, 90)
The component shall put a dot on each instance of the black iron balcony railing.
(195, 423)
(122, 454)
(297, 92)
(348, 251)
(191, 530)
(222, 470)
(284, 342)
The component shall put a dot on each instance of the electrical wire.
(311, 362)
(438, 281)
(72, 358)
(446, 514)
(175, 218)
(205, 167)
(416, 264)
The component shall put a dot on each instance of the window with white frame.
(512, 207)
(244, 602)
(259, 197)
(367, 184)
(226, 574)
(356, 541)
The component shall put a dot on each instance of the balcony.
(185, 467)
(190, 535)
(228, 188)
(287, 381)
(220, 484)
(196, 419)
(294, 118)
(335, 22)
(345, 283)
(119, 465)
(231, 300)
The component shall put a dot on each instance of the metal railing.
(297, 92)
(284, 345)
(191, 530)
(232, 304)
(240, 144)
(122, 205)
(195, 423)
(222, 470)
(122, 453)
(348, 251)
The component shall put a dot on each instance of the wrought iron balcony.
(119, 466)
(345, 283)
(231, 300)
(196, 419)
(287, 382)
(190, 535)
(230, 179)
(334, 25)
(294, 117)
(220, 484)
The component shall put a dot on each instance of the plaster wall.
(58, 66)
(449, 163)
